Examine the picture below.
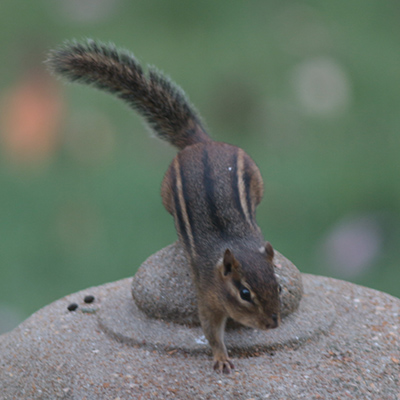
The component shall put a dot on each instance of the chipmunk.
(211, 189)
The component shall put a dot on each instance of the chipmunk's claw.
(224, 366)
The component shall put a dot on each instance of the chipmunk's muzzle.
(273, 322)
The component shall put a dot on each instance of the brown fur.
(212, 190)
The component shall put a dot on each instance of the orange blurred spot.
(31, 117)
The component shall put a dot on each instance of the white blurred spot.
(322, 87)
(352, 245)
(88, 10)
(201, 340)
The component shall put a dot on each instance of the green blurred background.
(309, 89)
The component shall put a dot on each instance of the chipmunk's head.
(251, 292)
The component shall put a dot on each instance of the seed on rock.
(72, 307)
(88, 310)
(89, 299)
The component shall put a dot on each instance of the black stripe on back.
(209, 187)
(178, 210)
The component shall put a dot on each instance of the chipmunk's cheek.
(259, 324)
(251, 323)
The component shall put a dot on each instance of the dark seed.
(89, 299)
(72, 307)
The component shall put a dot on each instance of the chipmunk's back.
(213, 190)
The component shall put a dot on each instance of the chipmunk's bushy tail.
(162, 103)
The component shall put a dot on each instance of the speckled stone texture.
(122, 319)
(163, 287)
(58, 354)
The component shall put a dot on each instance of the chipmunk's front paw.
(224, 365)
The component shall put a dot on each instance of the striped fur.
(183, 222)
(243, 184)
(162, 103)
(209, 190)
(212, 189)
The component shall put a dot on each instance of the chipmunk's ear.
(229, 264)
(269, 251)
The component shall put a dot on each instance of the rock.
(342, 342)
(163, 288)
(124, 321)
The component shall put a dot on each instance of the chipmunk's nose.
(275, 321)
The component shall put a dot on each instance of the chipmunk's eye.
(245, 294)
(279, 289)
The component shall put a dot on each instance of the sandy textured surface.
(59, 354)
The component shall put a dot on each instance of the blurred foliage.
(309, 89)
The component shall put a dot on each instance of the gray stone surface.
(163, 288)
(122, 319)
(57, 354)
